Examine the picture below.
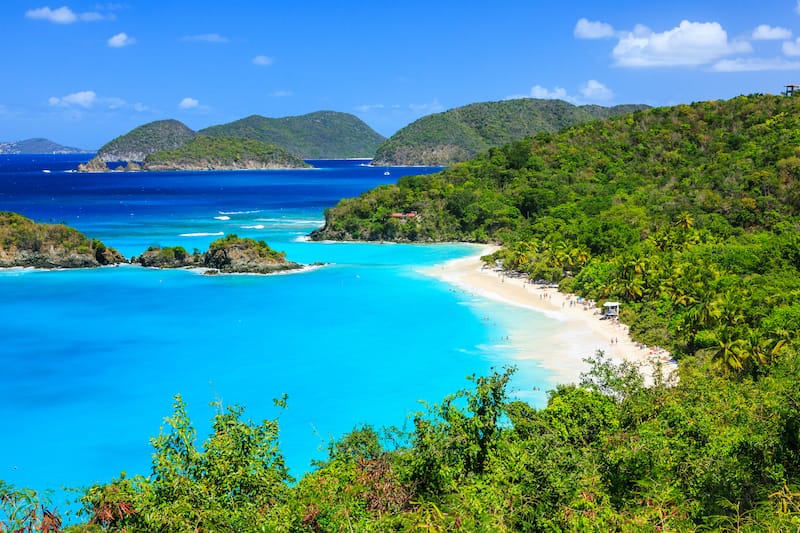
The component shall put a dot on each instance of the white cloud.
(755, 65)
(586, 29)
(558, 93)
(91, 16)
(543, 93)
(121, 39)
(792, 48)
(594, 90)
(262, 61)
(62, 15)
(215, 38)
(765, 32)
(689, 44)
(282, 93)
(366, 108)
(140, 107)
(426, 109)
(85, 99)
(188, 103)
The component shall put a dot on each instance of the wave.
(292, 221)
(222, 218)
(239, 212)
(257, 226)
(202, 234)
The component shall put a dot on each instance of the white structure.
(611, 309)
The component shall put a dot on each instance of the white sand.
(580, 332)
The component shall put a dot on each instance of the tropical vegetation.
(318, 135)
(25, 243)
(222, 153)
(689, 215)
(146, 139)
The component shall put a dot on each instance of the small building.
(791, 89)
(611, 309)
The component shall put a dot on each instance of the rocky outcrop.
(95, 164)
(24, 243)
(231, 254)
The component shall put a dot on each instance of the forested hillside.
(146, 139)
(223, 153)
(318, 135)
(460, 133)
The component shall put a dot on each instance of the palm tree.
(731, 351)
(685, 221)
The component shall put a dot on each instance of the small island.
(229, 254)
(209, 153)
(223, 153)
(24, 243)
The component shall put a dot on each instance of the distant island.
(252, 142)
(461, 133)
(223, 153)
(210, 153)
(318, 135)
(38, 146)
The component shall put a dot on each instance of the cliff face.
(24, 243)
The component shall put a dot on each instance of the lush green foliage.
(609, 454)
(204, 152)
(24, 242)
(689, 215)
(146, 139)
(25, 511)
(261, 248)
(319, 135)
(460, 133)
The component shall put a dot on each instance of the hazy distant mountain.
(38, 146)
(318, 135)
(460, 133)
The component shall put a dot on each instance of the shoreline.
(579, 333)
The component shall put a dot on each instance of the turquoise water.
(92, 358)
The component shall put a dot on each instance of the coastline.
(579, 334)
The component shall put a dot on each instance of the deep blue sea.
(90, 359)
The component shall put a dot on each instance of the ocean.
(91, 359)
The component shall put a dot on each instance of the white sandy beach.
(580, 332)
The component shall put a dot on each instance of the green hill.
(146, 139)
(319, 135)
(222, 153)
(460, 133)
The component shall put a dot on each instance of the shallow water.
(92, 358)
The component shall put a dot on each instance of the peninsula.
(24, 243)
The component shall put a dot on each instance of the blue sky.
(83, 72)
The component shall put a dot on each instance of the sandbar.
(579, 332)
